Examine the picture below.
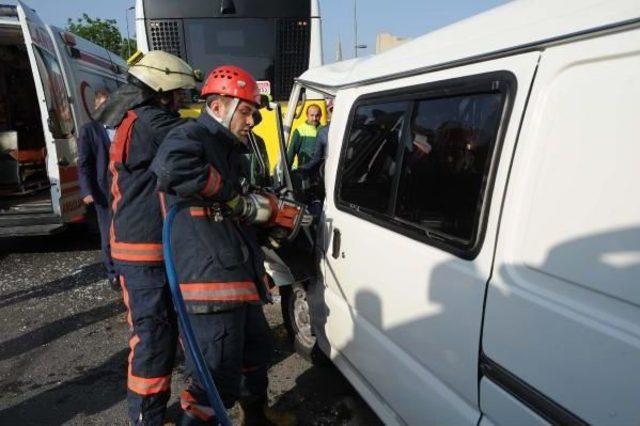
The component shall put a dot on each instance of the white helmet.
(163, 72)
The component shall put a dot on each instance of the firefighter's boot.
(256, 412)
(188, 419)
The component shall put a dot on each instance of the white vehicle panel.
(563, 308)
(417, 307)
(36, 36)
(504, 408)
(516, 23)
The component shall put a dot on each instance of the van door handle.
(335, 252)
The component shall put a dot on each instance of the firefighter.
(217, 257)
(144, 111)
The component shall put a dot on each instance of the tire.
(297, 321)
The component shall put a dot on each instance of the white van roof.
(95, 51)
(522, 24)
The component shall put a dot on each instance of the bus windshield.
(246, 42)
(272, 39)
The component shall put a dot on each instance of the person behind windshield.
(314, 167)
(303, 141)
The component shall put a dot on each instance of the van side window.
(420, 160)
(58, 106)
(371, 156)
(446, 161)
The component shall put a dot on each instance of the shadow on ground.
(97, 390)
(83, 277)
(74, 238)
(48, 333)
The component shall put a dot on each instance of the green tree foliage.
(103, 32)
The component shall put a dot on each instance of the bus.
(275, 40)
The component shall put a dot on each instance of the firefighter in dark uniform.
(147, 109)
(218, 260)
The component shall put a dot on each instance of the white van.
(47, 82)
(480, 258)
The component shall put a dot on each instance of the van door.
(57, 117)
(561, 338)
(411, 226)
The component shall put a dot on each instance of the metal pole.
(126, 17)
(355, 28)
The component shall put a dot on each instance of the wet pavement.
(63, 345)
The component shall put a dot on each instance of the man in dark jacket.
(218, 260)
(94, 142)
(150, 104)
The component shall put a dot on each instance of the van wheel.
(297, 320)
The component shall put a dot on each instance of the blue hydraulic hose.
(185, 324)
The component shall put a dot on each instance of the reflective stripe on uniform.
(138, 252)
(163, 204)
(220, 291)
(143, 386)
(190, 404)
(214, 182)
(199, 211)
(140, 385)
(135, 252)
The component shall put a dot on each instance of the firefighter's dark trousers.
(237, 346)
(153, 340)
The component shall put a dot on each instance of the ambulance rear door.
(57, 117)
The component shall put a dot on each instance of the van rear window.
(421, 162)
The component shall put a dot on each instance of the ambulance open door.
(57, 117)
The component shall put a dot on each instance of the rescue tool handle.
(187, 332)
(337, 237)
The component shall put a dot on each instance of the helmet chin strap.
(233, 106)
(226, 120)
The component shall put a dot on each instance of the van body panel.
(563, 307)
(88, 67)
(511, 26)
(416, 306)
(52, 95)
(505, 409)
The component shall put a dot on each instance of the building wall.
(386, 41)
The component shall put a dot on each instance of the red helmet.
(229, 80)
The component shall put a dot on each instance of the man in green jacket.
(303, 141)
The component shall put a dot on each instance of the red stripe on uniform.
(214, 182)
(241, 291)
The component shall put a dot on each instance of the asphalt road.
(63, 345)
